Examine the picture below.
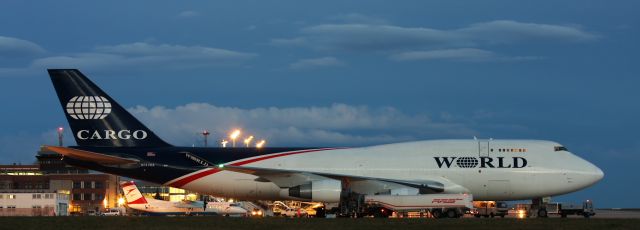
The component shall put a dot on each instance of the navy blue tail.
(95, 118)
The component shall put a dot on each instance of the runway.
(600, 214)
(175, 223)
(617, 214)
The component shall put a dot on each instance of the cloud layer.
(461, 54)
(316, 63)
(15, 47)
(422, 43)
(380, 37)
(506, 31)
(145, 54)
(188, 14)
(338, 124)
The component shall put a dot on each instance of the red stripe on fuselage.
(125, 184)
(190, 178)
(140, 200)
(186, 180)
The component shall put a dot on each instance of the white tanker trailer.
(439, 205)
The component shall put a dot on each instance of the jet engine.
(321, 190)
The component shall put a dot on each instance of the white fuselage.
(179, 208)
(502, 169)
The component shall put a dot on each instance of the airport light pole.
(235, 134)
(247, 141)
(261, 143)
(205, 133)
(60, 131)
(224, 143)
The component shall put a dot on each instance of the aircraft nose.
(591, 173)
(581, 174)
(599, 174)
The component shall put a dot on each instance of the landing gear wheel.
(542, 213)
(436, 213)
(451, 213)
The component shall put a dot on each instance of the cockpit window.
(560, 148)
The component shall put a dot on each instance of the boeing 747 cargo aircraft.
(109, 139)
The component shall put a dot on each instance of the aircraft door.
(483, 148)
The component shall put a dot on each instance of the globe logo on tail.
(88, 107)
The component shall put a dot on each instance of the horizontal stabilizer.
(90, 156)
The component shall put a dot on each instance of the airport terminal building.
(51, 187)
(34, 203)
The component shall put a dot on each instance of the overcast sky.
(340, 73)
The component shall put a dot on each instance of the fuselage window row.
(511, 150)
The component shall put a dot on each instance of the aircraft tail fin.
(95, 118)
(132, 194)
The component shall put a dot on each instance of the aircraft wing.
(366, 185)
(90, 156)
